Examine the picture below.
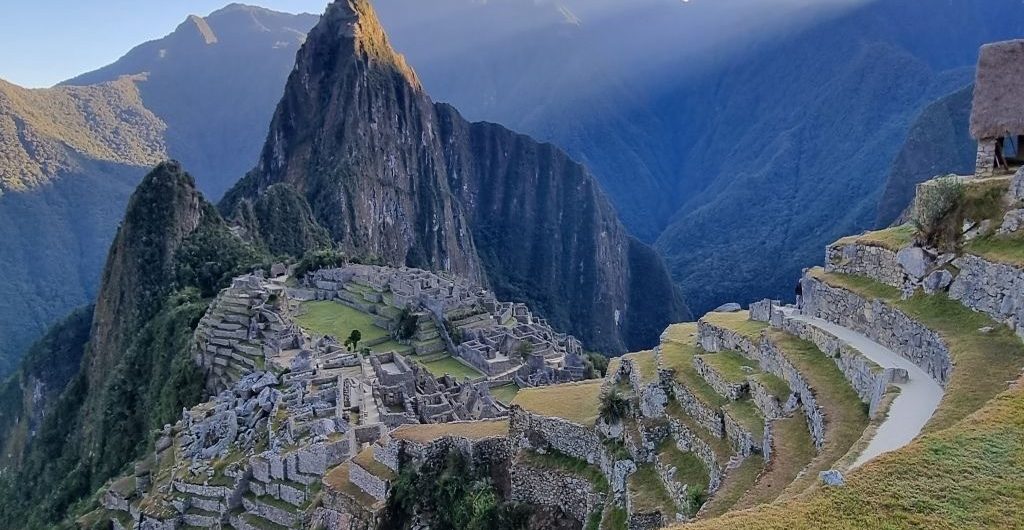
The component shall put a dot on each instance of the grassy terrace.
(1007, 249)
(365, 460)
(720, 446)
(474, 430)
(737, 483)
(647, 493)
(337, 479)
(893, 238)
(984, 362)
(747, 415)
(338, 320)
(576, 402)
(689, 469)
(505, 393)
(793, 450)
(568, 464)
(777, 386)
(646, 363)
(733, 366)
(677, 355)
(739, 322)
(845, 415)
(969, 474)
(450, 366)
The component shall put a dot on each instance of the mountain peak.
(357, 20)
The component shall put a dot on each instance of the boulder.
(1012, 221)
(937, 281)
(832, 478)
(731, 307)
(1017, 185)
(265, 380)
(915, 262)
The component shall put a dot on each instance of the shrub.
(407, 324)
(614, 406)
(938, 214)
(319, 259)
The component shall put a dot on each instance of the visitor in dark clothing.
(799, 296)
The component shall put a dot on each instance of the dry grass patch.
(337, 479)
(647, 364)
(845, 415)
(736, 484)
(733, 366)
(473, 430)
(366, 461)
(894, 238)
(1008, 249)
(792, 451)
(739, 322)
(969, 475)
(579, 403)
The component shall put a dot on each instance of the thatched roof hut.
(999, 91)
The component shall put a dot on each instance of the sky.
(43, 42)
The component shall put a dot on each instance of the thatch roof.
(999, 90)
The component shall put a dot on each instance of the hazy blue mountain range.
(73, 153)
(740, 161)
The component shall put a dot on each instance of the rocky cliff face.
(394, 176)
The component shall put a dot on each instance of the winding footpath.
(911, 409)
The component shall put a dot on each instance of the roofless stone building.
(997, 116)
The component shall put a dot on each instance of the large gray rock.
(832, 478)
(1017, 185)
(937, 281)
(915, 262)
(731, 307)
(1012, 221)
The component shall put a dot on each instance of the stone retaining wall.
(991, 288)
(731, 390)
(865, 260)
(704, 415)
(868, 379)
(687, 440)
(532, 431)
(882, 323)
(772, 360)
(554, 487)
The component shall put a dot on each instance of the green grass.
(846, 417)
(579, 403)
(793, 450)
(505, 393)
(678, 356)
(450, 366)
(647, 493)
(893, 238)
(562, 462)
(689, 469)
(338, 320)
(775, 385)
(646, 363)
(983, 362)
(733, 366)
(737, 482)
(615, 519)
(1007, 249)
(747, 415)
(739, 322)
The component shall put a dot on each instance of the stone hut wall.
(871, 261)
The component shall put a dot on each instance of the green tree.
(614, 406)
(352, 342)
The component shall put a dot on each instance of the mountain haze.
(72, 154)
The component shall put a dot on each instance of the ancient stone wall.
(882, 323)
(865, 260)
(991, 288)
(531, 431)
(544, 486)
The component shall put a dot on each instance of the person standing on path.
(799, 297)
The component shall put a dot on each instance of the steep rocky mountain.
(938, 142)
(71, 155)
(710, 138)
(72, 425)
(393, 176)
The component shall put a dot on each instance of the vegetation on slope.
(575, 402)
